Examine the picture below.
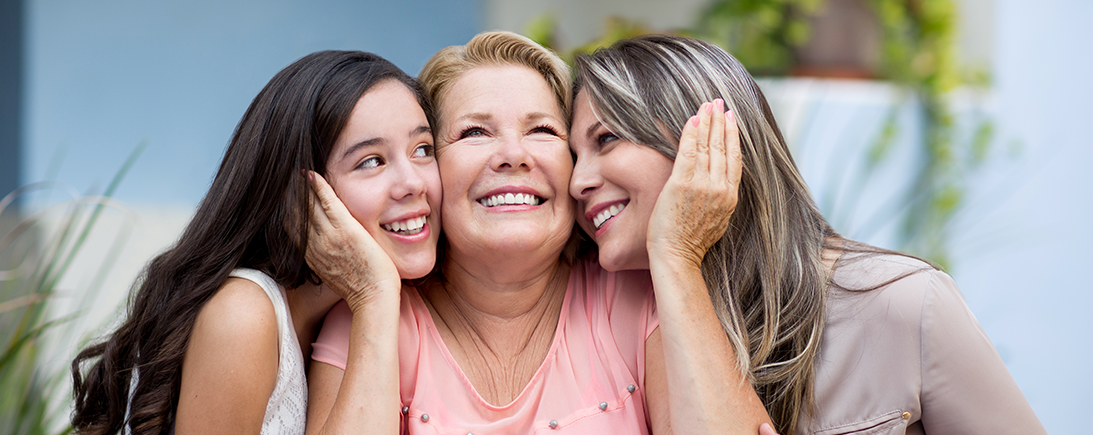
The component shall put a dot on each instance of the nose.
(511, 153)
(409, 181)
(586, 178)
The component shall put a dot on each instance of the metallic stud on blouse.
(554, 424)
(631, 388)
(906, 415)
(405, 409)
(424, 418)
(603, 406)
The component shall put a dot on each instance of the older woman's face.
(504, 163)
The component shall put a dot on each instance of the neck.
(505, 291)
(498, 332)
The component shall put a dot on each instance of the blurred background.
(951, 129)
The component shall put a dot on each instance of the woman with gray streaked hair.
(836, 335)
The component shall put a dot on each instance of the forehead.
(497, 90)
(389, 100)
(583, 112)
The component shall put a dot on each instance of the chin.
(613, 260)
(412, 268)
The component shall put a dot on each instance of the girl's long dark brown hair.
(255, 215)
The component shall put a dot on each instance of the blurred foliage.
(36, 255)
(917, 54)
(761, 34)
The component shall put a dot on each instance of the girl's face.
(382, 167)
(616, 183)
(505, 164)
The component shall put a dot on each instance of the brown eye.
(370, 163)
(606, 138)
(424, 150)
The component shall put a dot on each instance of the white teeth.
(407, 227)
(606, 214)
(510, 199)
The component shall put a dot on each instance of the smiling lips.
(510, 199)
(607, 214)
(407, 227)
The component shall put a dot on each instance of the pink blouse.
(591, 381)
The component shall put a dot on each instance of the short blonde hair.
(496, 48)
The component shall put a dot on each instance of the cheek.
(362, 203)
(559, 167)
(455, 168)
(434, 189)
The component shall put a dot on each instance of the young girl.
(221, 324)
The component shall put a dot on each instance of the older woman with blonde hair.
(518, 332)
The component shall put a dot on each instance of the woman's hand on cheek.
(693, 210)
(343, 254)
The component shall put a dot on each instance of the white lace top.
(286, 411)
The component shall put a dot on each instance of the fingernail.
(731, 116)
(709, 108)
(694, 121)
(310, 176)
(720, 103)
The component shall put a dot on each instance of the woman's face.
(382, 167)
(616, 183)
(505, 164)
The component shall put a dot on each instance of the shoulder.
(231, 362)
(893, 287)
(239, 319)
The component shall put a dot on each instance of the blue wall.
(106, 75)
(11, 80)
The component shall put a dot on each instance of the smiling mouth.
(510, 199)
(407, 227)
(606, 215)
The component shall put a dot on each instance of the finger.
(332, 207)
(732, 147)
(702, 145)
(683, 168)
(718, 156)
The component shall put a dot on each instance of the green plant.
(762, 34)
(37, 254)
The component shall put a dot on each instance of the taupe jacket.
(909, 358)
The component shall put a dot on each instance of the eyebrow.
(482, 116)
(366, 143)
(477, 116)
(538, 115)
(592, 129)
(419, 130)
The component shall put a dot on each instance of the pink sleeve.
(332, 346)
